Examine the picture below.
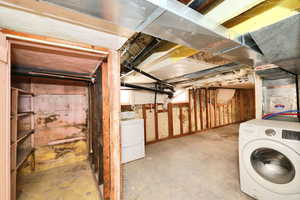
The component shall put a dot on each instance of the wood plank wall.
(201, 113)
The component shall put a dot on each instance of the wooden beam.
(53, 41)
(228, 11)
(5, 91)
(111, 127)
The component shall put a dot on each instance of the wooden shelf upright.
(22, 129)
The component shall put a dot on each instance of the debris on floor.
(70, 182)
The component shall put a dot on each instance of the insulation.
(176, 120)
(185, 120)
(224, 96)
(163, 127)
(150, 125)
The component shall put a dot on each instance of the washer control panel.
(291, 135)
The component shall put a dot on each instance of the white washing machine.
(269, 157)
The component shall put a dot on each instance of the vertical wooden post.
(195, 109)
(111, 127)
(156, 122)
(207, 106)
(200, 106)
(170, 118)
(5, 182)
(190, 110)
(145, 121)
(181, 120)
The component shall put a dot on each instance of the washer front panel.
(273, 165)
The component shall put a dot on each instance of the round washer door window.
(273, 165)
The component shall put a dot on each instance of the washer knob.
(270, 132)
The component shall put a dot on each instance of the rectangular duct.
(280, 44)
(172, 21)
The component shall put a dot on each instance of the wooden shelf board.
(22, 114)
(25, 158)
(23, 91)
(24, 134)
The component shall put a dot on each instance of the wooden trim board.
(5, 91)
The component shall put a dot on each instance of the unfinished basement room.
(149, 100)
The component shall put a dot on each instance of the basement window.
(180, 96)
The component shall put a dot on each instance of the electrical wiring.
(287, 112)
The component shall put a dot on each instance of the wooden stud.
(156, 122)
(215, 106)
(200, 107)
(145, 125)
(190, 111)
(207, 111)
(195, 109)
(181, 120)
(170, 119)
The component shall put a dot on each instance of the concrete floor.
(200, 166)
(69, 182)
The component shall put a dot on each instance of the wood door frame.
(111, 129)
(111, 110)
(5, 180)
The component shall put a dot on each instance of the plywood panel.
(31, 57)
(150, 125)
(176, 120)
(185, 120)
(163, 127)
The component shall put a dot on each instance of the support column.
(111, 127)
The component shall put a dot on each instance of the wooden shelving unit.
(22, 130)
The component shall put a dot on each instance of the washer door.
(273, 165)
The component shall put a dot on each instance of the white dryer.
(269, 158)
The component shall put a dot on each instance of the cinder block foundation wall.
(200, 113)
